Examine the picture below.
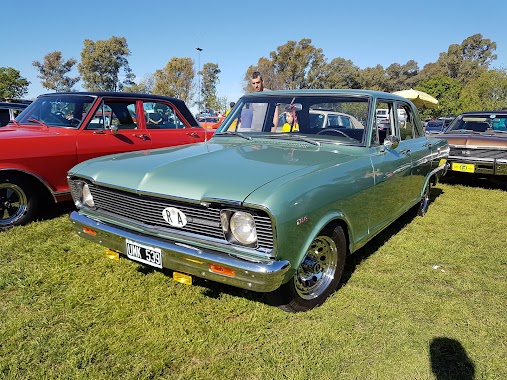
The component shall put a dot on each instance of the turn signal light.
(222, 270)
(89, 231)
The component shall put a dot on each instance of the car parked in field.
(9, 111)
(478, 143)
(210, 122)
(258, 209)
(322, 118)
(59, 130)
(436, 126)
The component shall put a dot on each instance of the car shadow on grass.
(54, 210)
(475, 180)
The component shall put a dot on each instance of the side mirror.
(391, 142)
(114, 129)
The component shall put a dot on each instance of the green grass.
(426, 299)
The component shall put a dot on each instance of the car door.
(167, 127)
(112, 127)
(392, 171)
(417, 146)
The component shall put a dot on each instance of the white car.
(330, 119)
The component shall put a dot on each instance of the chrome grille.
(492, 154)
(201, 220)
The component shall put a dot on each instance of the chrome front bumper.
(259, 277)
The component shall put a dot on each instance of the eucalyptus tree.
(12, 84)
(175, 79)
(101, 64)
(53, 72)
(210, 79)
(487, 92)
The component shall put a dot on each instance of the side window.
(406, 120)
(4, 117)
(332, 121)
(161, 116)
(384, 123)
(120, 114)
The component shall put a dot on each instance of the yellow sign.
(113, 255)
(183, 278)
(466, 168)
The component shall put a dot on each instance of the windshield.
(57, 111)
(435, 126)
(479, 123)
(338, 118)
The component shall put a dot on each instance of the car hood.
(497, 140)
(11, 131)
(209, 170)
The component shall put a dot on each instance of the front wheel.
(317, 276)
(18, 202)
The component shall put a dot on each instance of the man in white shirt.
(259, 109)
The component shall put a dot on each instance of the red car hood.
(11, 131)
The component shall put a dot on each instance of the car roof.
(485, 113)
(13, 105)
(327, 92)
(115, 95)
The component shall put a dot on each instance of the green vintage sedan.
(258, 208)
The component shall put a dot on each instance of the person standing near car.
(231, 105)
(259, 109)
(257, 82)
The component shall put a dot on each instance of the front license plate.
(144, 253)
(467, 168)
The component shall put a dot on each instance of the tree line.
(461, 79)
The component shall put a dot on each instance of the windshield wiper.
(294, 137)
(38, 122)
(234, 133)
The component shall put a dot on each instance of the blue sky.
(235, 34)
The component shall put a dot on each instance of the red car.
(59, 130)
(210, 122)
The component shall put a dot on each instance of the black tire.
(18, 202)
(317, 276)
(425, 201)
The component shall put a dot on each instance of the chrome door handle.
(142, 136)
(193, 134)
(405, 151)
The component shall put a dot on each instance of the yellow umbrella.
(419, 98)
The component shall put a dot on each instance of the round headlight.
(242, 226)
(87, 196)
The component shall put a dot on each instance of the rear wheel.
(18, 202)
(317, 276)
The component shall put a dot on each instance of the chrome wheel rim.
(318, 268)
(13, 203)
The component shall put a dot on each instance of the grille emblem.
(174, 217)
(465, 152)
